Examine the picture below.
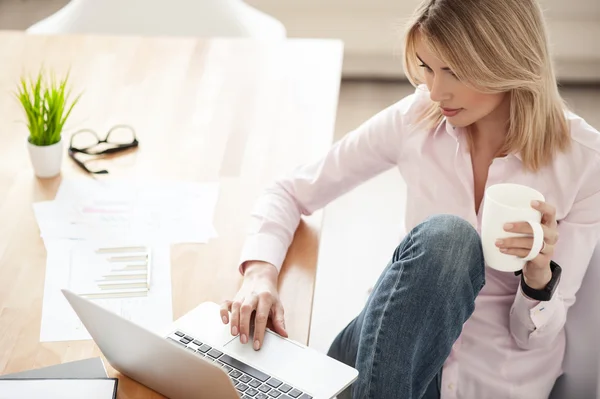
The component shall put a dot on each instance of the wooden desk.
(236, 111)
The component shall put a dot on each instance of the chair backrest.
(581, 366)
(195, 18)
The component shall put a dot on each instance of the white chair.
(582, 358)
(197, 18)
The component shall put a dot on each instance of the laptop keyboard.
(249, 382)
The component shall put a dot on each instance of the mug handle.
(538, 241)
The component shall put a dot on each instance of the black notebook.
(65, 388)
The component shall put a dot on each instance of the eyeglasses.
(119, 138)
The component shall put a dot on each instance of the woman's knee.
(444, 230)
(448, 240)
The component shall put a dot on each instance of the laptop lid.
(149, 358)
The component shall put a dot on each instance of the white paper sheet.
(60, 322)
(171, 212)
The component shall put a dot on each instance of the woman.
(438, 323)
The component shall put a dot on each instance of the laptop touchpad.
(277, 355)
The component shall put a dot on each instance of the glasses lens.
(84, 139)
(121, 135)
(87, 162)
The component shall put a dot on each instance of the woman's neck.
(489, 133)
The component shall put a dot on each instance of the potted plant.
(47, 107)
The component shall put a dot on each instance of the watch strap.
(547, 292)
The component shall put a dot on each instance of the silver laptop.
(196, 357)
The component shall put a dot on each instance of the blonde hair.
(497, 46)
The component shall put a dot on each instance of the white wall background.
(372, 32)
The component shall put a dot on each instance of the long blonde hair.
(497, 46)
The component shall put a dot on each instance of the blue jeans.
(415, 313)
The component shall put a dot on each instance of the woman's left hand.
(537, 272)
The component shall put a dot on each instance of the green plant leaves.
(46, 106)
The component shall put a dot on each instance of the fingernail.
(256, 345)
(509, 226)
(499, 242)
(225, 319)
(535, 203)
(503, 250)
(244, 339)
(234, 330)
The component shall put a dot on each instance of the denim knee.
(442, 229)
(448, 240)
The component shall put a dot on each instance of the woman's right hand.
(258, 293)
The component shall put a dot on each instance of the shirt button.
(451, 386)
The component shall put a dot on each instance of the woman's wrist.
(260, 269)
(537, 279)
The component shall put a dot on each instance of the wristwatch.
(546, 293)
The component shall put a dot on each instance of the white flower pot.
(46, 160)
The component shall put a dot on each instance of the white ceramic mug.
(509, 203)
